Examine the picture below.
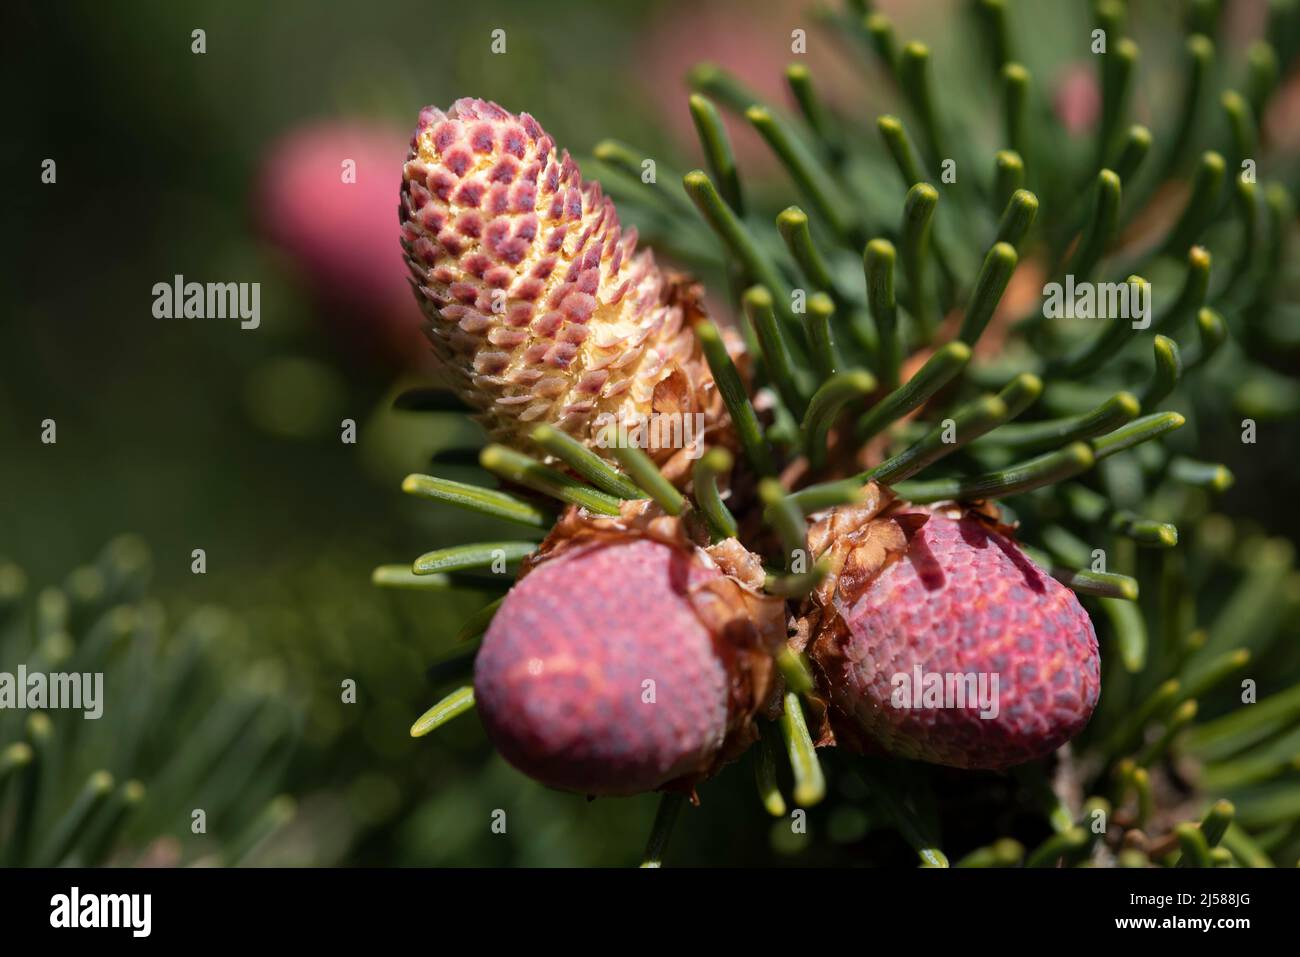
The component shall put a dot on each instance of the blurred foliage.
(190, 720)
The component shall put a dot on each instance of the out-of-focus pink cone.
(727, 34)
(1077, 100)
(327, 197)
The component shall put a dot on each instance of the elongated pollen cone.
(539, 302)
